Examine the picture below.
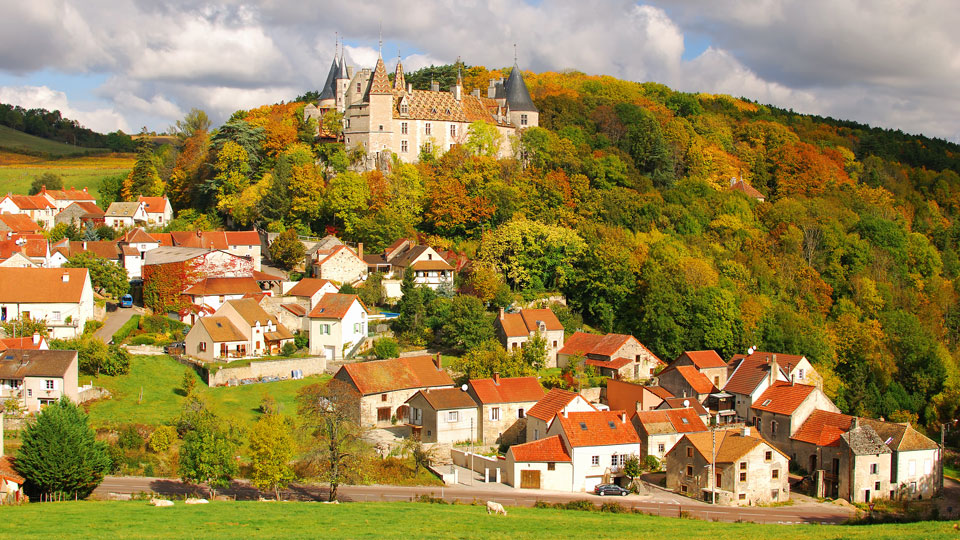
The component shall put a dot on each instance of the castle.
(394, 118)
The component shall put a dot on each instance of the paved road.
(114, 321)
(806, 513)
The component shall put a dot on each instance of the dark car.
(610, 489)
(176, 348)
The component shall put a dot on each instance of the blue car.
(126, 301)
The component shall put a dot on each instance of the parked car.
(126, 301)
(175, 348)
(610, 489)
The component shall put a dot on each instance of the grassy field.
(951, 472)
(136, 519)
(18, 170)
(160, 377)
(13, 140)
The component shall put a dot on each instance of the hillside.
(17, 141)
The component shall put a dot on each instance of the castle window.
(404, 109)
(453, 130)
(403, 128)
(403, 146)
(348, 122)
(426, 128)
(381, 127)
(523, 119)
(358, 87)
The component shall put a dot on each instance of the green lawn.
(951, 472)
(13, 140)
(136, 519)
(159, 377)
(17, 171)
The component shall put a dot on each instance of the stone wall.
(267, 368)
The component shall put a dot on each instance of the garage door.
(530, 479)
(591, 482)
(329, 352)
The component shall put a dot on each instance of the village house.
(740, 186)
(36, 207)
(193, 265)
(540, 464)
(37, 378)
(35, 342)
(33, 248)
(216, 338)
(239, 328)
(739, 466)
(795, 367)
(213, 292)
(79, 214)
(617, 356)
(628, 396)
(63, 297)
(120, 215)
(63, 198)
(428, 265)
(385, 386)
(515, 329)
(443, 415)
(338, 263)
(750, 377)
(707, 363)
(503, 406)
(338, 326)
(599, 443)
(915, 462)
(686, 403)
(781, 409)
(687, 382)
(17, 224)
(158, 209)
(557, 401)
(312, 290)
(244, 244)
(660, 430)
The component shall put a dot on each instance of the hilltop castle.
(393, 118)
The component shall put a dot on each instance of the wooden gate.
(530, 479)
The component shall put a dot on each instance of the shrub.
(386, 348)
(301, 339)
(143, 339)
(427, 498)
(130, 438)
(127, 328)
(289, 349)
(162, 438)
(91, 326)
(615, 508)
(581, 504)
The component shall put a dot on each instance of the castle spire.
(380, 83)
(399, 82)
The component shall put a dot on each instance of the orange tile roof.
(750, 372)
(216, 286)
(69, 194)
(624, 395)
(105, 249)
(683, 403)
(443, 106)
(215, 239)
(731, 444)
(524, 322)
(442, 399)
(307, 287)
(7, 472)
(508, 390)
(616, 363)
(823, 428)
(334, 306)
(659, 391)
(31, 202)
(551, 403)
(138, 236)
(746, 189)
(549, 449)
(431, 265)
(153, 205)
(698, 381)
(379, 83)
(21, 343)
(296, 309)
(705, 359)
(43, 285)
(91, 209)
(670, 421)
(593, 344)
(782, 397)
(221, 329)
(597, 428)
(20, 223)
(381, 376)
(165, 239)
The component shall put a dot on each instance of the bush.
(92, 326)
(614, 508)
(289, 349)
(130, 438)
(143, 339)
(127, 328)
(386, 348)
(301, 339)
(162, 438)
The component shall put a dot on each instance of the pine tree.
(90, 233)
(144, 178)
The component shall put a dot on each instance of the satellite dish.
(464, 387)
(686, 403)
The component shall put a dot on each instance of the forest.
(620, 200)
(52, 125)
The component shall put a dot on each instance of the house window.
(56, 315)
(427, 147)
(403, 128)
(202, 346)
(758, 422)
(683, 488)
(775, 474)
(876, 486)
(383, 414)
(551, 466)
(495, 413)
(767, 456)
(358, 87)
(554, 344)
(773, 427)
(453, 417)
(742, 497)
(520, 413)
(661, 447)
(689, 451)
(613, 460)
(800, 374)
(743, 477)
(403, 146)
(523, 119)
(381, 127)
(383, 397)
(595, 460)
(743, 465)
(453, 130)
(48, 384)
(29, 392)
(348, 122)
(874, 468)
(689, 470)
(426, 130)
(404, 109)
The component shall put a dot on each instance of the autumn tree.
(271, 452)
(286, 250)
(210, 444)
(483, 139)
(232, 175)
(196, 121)
(532, 255)
(331, 412)
(105, 276)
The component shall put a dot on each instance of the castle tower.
(380, 98)
(342, 83)
(328, 93)
(522, 112)
(399, 83)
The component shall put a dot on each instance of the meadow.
(221, 519)
(18, 141)
(17, 171)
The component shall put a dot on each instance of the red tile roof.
(46, 285)
(508, 390)
(68, 194)
(705, 359)
(750, 372)
(334, 306)
(549, 449)
(165, 239)
(782, 397)
(616, 363)
(105, 249)
(597, 428)
(593, 344)
(215, 239)
(308, 287)
(683, 403)
(671, 421)
(659, 391)
(296, 309)
(7, 472)
(91, 209)
(214, 286)
(154, 205)
(31, 202)
(525, 322)
(442, 399)
(381, 376)
(21, 343)
(138, 236)
(746, 189)
(698, 381)
(20, 223)
(823, 428)
(552, 403)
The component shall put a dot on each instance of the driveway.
(115, 320)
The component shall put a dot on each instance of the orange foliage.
(804, 170)
(280, 123)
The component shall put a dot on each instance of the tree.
(372, 292)
(143, 178)
(331, 412)
(533, 255)
(466, 324)
(286, 250)
(105, 276)
(61, 231)
(195, 121)
(233, 176)
(60, 454)
(189, 382)
(209, 447)
(534, 351)
(46, 180)
(384, 348)
(94, 357)
(410, 325)
(90, 233)
(271, 450)
(483, 139)
(490, 357)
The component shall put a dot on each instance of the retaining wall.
(268, 368)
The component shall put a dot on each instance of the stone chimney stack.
(360, 250)
(496, 378)
(36, 341)
(434, 86)
(774, 368)
(501, 314)
(436, 361)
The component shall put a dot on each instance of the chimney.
(623, 418)
(855, 423)
(745, 431)
(36, 341)
(564, 411)
(496, 378)
(410, 88)
(436, 361)
(84, 190)
(360, 250)
(774, 369)
(475, 93)
(66, 277)
(501, 314)
(790, 372)
(456, 91)
(434, 86)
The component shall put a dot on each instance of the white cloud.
(100, 119)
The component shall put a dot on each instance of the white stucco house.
(338, 326)
(61, 296)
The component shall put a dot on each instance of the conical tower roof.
(342, 70)
(380, 83)
(329, 90)
(518, 97)
(399, 82)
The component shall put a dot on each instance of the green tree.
(144, 179)
(94, 357)
(188, 383)
(372, 293)
(271, 451)
(386, 348)
(534, 351)
(105, 276)
(466, 324)
(162, 439)
(329, 411)
(61, 231)
(286, 250)
(46, 180)
(208, 453)
(90, 233)
(487, 358)
(483, 139)
(110, 190)
(533, 255)
(195, 120)
(60, 454)
(411, 323)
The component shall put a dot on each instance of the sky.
(125, 64)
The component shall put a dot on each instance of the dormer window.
(358, 87)
(404, 108)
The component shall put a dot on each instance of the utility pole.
(943, 432)
(713, 461)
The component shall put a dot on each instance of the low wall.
(475, 462)
(268, 368)
(88, 393)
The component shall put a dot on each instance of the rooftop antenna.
(381, 37)
(336, 45)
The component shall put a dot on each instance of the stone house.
(740, 467)
(121, 214)
(63, 297)
(341, 264)
(687, 382)
(338, 326)
(186, 267)
(781, 409)
(428, 265)
(750, 376)
(312, 290)
(385, 386)
(158, 209)
(442, 415)
(629, 396)
(79, 214)
(244, 244)
(915, 462)
(504, 403)
(617, 356)
(707, 363)
(515, 329)
(660, 430)
(37, 378)
(557, 401)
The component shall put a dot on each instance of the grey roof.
(863, 440)
(342, 73)
(518, 97)
(170, 254)
(20, 363)
(900, 437)
(123, 209)
(329, 86)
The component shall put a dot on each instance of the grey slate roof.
(122, 209)
(863, 440)
(167, 254)
(518, 97)
(329, 86)
(342, 70)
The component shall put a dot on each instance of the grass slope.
(17, 171)
(18, 141)
(91, 519)
(161, 376)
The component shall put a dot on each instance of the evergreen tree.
(144, 179)
(90, 233)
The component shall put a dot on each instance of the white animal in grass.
(495, 508)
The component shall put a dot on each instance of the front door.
(530, 479)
